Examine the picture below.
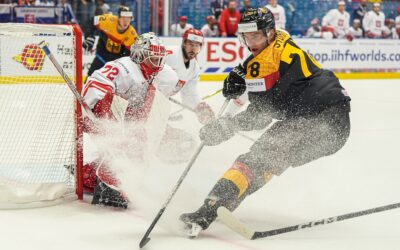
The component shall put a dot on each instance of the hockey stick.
(194, 111)
(233, 223)
(176, 116)
(67, 80)
(211, 95)
(146, 237)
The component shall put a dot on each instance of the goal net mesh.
(38, 116)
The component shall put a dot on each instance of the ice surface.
(364, 174)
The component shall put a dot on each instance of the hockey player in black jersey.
(285, 83)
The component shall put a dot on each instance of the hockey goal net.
(40, 151)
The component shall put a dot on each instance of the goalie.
(285, 83)
(133, 78)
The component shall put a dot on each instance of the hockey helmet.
(193, 35)
(125, 11)
(254, 19)
(149, 52)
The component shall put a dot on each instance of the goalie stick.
(233, 223)
(67, 80)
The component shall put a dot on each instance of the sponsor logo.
(32, 57)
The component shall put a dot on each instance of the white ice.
(364, 174)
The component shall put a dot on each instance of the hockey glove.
(217, 131)
(234, 83)
(88, 43)
(204, 113)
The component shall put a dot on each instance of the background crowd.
(351, 19)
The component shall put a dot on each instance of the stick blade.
(144, 241)
(229, 220)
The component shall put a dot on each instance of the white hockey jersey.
(339, 21)
(374, 22)
(188, 77)
(397, 23)
(356, 33)
(124, 78)
(207, 32)
(177, 30)
(279, 15)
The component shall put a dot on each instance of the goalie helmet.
(149, 52)
(254, 19)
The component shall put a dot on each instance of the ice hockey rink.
(364, 174)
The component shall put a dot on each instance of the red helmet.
(193, 35)
(398, 9)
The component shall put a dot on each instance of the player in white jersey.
(397, 21)
(355, 30)
(134, 79)
(177, 29)
(279, 13)
(337, 21)
(183, 61)
(374, 22)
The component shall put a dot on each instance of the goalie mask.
(253, 20)
(149, 52)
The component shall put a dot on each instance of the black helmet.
(254, 19)
(125, 11)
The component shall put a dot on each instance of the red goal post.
(40, 130)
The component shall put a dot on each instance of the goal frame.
(76, 134)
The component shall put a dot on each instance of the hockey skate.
(107, 196)
(197, 221)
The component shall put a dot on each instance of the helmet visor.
(250, 39)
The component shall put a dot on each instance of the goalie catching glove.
(204, 113)
(217, 131)
(234, 83)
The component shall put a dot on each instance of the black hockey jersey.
(283, 81)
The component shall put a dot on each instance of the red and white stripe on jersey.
(96, 85)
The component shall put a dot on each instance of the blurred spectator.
(355, 30)
(374, 22)
(337, 21)
(29, 3)
(45, 3)
(83, 10)
(210, 29)
(229, 20)
(217, 7)
(246, 5)
(67, 13)
(178, 29)
(389, 31)
(279, 14)
(397, 21)
(101, 8)
(361, 10)
(315, 31)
